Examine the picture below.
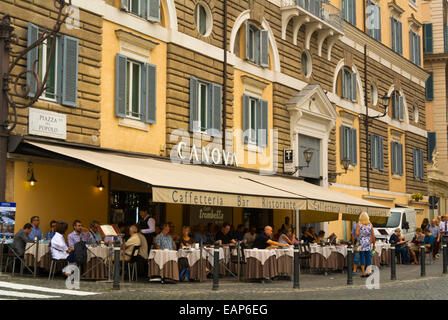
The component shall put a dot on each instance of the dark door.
(313, 171)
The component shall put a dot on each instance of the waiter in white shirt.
(147, 226)
(444, 230)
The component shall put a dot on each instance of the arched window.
(256, 44)
(348, 85)
(203, 19)
(397, 106)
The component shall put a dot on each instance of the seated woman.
(58, 246)
(416, 242)
(287, 237)
(309, 235)
(185, 242)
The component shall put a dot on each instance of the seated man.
(95, 233)
(224, 237)
(399, 242)
(36, 232)
(164, 240)
(263, 241)
(21, 239)
(429, 240)
(78, 235)
(50, 234)
(249, 237)
(133, 241)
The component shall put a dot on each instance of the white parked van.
(403, 218)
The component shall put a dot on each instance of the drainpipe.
(224, 78)
(367, 119)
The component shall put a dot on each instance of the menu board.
(108, 230)
(7, 222)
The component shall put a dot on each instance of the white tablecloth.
(326, 251)
(102, 252)
(264, 254)
(210, 252)
(379, 246)
(44, 248)
(161, 257)
(192, 255)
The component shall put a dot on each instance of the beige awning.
(186, 184)
(320, 199)
(202, 185)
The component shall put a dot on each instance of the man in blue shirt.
(429, 240)
(435, 230)
(164, 240)
(50, 234)
(36, 232)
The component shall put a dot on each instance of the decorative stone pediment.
(256, 10)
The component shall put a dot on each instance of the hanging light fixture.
(100, 185)
(30, 174)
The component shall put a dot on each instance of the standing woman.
(364, 231)
(425, 224)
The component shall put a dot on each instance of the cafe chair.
(234, 257)
(11, 256)
(132, 263)
(305, 255)
(54, 265)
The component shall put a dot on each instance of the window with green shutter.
(396, 35)
(397, 106)
(205, 107)
(431, 144)
(415, 48)
(430, 87)
(397, 158)
(135, 89)
(376, 152)
(427, 35)
(255, 121)
(349, 144)
(257, 45)
(62, 77)
(148, 9)
(373, 12)
(349, 8)
(349, 85)
(418, 162)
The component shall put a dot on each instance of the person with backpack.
(78, 240)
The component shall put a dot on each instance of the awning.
(186, 184)
(202, 185)
(320, 199)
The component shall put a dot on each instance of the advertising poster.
(7, 221)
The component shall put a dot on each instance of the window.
(306, 64)
(62, 77)
(396, 35)
(147, 9)
(430, 87)
(205, 107)
(349, 85)
(418, 163)
(257, 45)
(202, 18)
(374, 20)
(350, 11)
(349, 144)
(373, 94)
(135, 92)
(376, 152)
(415, 47)
(427, 35)
(397, 106)
(415, 112)
(431, 144)
(397, 158)
(255, 121)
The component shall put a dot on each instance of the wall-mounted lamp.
(308, 154)
(30, 174)
(100, 185)
(345, 164)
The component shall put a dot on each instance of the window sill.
(253, 148)
(135, 124)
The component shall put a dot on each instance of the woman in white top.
(59, 248)
(287, 238)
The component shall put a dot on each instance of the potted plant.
(417, 197)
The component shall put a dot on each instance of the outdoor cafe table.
(193, 256)
(268, 263)
(224, 258)
(98, 258)
(163, 263)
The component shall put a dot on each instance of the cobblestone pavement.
(408, 286)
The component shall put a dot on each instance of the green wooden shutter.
(217, 109)
(419, 50)
(194, 105)
(415, 162)
(344, 146)
(151, 93)
(380, 153)
(144, 9)
(257, 47)
(248, 42)
(154, 10)
(400, 108)
(32, 56)
(431, 144)
(124, 5)
(263, 133)
(400, 37)
(400, 159)
(422, 165)
(411, 46)
(120, 86)
(378, 22)
(428, 44)
(353, 93)
(372, 152)
(430, 87)
(353, 147)
(353, 12)
(70, 72)
(395, 158)
(392, 33)
(264, 48)
(246, 118)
